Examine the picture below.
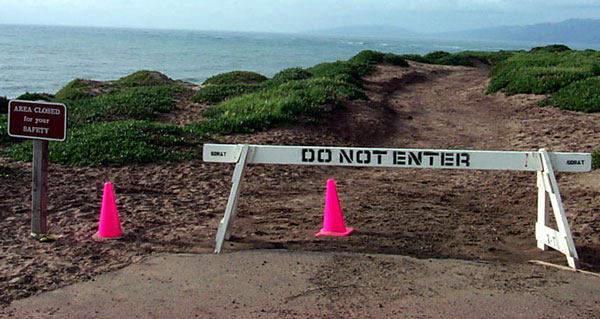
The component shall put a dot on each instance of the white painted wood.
(543, 210)
(226, 223)
(571, 162)
(388, 157)
(552, 238)
(562, 237)
(222, 153)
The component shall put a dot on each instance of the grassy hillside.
(114, 123)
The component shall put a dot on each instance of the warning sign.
(37, 120)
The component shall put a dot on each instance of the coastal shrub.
(144, 78)
(236, 77)
(292, 95)
(541, 72)
(440, 57)
(435, 55)
(595, 70)
(139, 103)
(218, 93)
(454, 59)
(114, 144)
(284, 104)
(4, 138)
(36, 97)
(487, 57)
(415, 57)
(395, 59)
(291, 74)
(583, 96)
(74, 90)
(596, 160)
(368, 57)
(3, 105)
(551, 48)
(352, 71)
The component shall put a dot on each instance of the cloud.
(294, 15)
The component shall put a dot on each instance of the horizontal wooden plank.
(391, 157)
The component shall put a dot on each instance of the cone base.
(323, 232)
(97, 237)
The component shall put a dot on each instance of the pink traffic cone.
(109, 226)
(333, 221)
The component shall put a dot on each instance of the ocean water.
(45, 58)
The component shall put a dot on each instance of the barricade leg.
(549, 195)
(543, 219)
(224, 231)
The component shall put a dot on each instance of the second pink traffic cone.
(109, 226)
(333, 221)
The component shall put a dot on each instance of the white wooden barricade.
(543, 162)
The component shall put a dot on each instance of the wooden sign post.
(39, 192)
(42, 122)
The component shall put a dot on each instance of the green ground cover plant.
(440, 57)
(4, 138)
(3, 105)
(371, 57)
(236, 77)
(290, 74)
(143, 78)
(353, 72)
(74, 90)
(138, 103)
(218, 93)
(292, 95)
(542, 72)
(551, 48)
(115, 144)
(113, 128)
(582, 95)
(596, 160)
(36, 97)
(285, 104)
(227, 85)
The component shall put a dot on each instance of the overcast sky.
(294, 15)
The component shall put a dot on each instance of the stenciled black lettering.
(324, 159)
(366, 160)
(379, 155)
(308, 155)
(465, 158)
(346, 156)
(575, 162)
(432, 156)
(415, 158)
(216, 153)
(448, 159)
(399, 158)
